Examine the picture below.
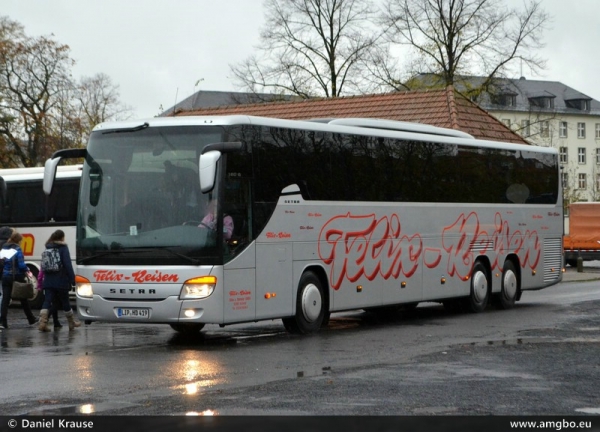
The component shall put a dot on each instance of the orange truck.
(583, 239)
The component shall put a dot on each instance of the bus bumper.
(190, 311)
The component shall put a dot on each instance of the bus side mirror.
(208, 169)
(95, 174)
(49, 174)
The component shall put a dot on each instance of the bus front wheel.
(480, 289)
(310, 307)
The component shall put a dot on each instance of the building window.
(581, 155)
(505, 99)
(506, 122)
(580, 130)
(582, 181)
(545, 129)
(564, 155)
(525, 130)
(598, 182)
(580, 104)
(597, 130)
(562, 129)
(598, 155)
(565, 180)
(542, 102)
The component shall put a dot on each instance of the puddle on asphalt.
(524, 341)
(589, 410)
(68, 410)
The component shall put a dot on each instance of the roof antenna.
(522, 77)
(195, 93)
(175, 104)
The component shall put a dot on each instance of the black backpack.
(51, 262)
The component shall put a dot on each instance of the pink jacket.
(209, 221)
(40, 284)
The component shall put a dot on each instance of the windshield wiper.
(98, 255)
(131, 129)
(115, 250)
(189, 259)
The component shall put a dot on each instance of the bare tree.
(311, 48)
(462, 37)
(98, 101)
(41, 108)
(33, 72)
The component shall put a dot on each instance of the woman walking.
(53, 308)
(58, 283)
(14, 269)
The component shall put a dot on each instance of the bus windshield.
(141, 200)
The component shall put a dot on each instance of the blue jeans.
(51, 294)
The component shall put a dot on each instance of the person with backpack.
(14, 269)
(59, 276)
(53, 306)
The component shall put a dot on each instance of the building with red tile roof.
(440, 107)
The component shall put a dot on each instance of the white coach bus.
(328, 216)
(24, 206)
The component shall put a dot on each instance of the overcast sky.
(157, 50)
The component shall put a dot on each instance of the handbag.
(23, 290)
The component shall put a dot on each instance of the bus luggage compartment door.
(274, 280)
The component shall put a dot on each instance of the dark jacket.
(11, 257)
(65, 277)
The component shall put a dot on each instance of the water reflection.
(206, 413)
(196, 371)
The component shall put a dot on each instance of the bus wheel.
(510, 286)
(187, 328)
(480, 289)
(310, 307)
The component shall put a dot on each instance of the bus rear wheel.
(310, 307)
(187, 328)
(510, 286)
(480, 289)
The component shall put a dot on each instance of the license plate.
(133, 313)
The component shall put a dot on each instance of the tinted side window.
(26, 203)
(340, 167)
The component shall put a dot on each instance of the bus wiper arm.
(131, 129)
(189, 259)
(98, 255)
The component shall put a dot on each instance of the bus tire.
(510, 286)
(310, 307)
(480, 289)
(187, 328)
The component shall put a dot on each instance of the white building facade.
(552, 114)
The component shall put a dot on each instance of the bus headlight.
(83, 287)
(198, 288)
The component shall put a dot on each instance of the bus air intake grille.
(552, 259)
(481, 246)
